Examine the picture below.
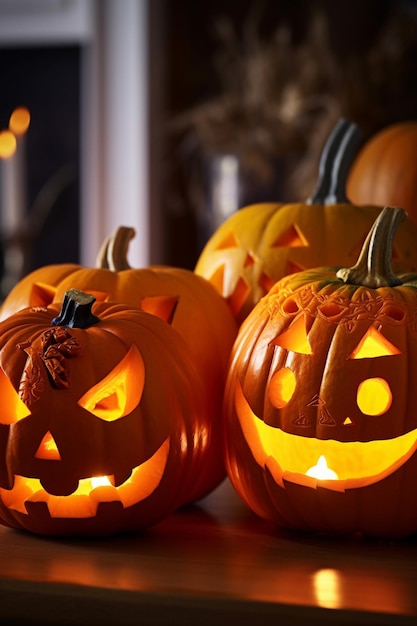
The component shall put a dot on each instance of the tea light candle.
(322, 471)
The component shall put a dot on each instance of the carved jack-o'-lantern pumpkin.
(102, 427)
(187, 301)
(320, 419)
(264, 242)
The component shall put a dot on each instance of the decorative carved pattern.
(342, 309)
(32, 382)
(52, 349)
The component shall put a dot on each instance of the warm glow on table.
(215, 562)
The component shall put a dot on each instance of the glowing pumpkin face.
(262, 243)
(187, 301)
(320, 419)
(89, 444)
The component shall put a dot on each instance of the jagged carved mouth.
(290, 457)
(83, 502)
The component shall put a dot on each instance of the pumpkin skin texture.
(319, 411)
(118, 398)
(262, 243)
(180, 297)
(385, 169)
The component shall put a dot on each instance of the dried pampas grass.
(278, 101)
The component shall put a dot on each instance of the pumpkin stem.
(76, 310)
(335, 162)
(113, 252)
(373, 267)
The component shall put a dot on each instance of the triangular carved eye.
(160, 306)
(238, 298)
(41, 294)
(249, 260)
(295, 337)
(373, 344)
(291, 238)
(120, 392)
(217, 279)
(12, 407)
(229, 241)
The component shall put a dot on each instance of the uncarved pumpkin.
(187, 301)
(320, 419)
(261, 243)
(102, 424)
(385, 169)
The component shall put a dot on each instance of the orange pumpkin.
(320, 419)
(385, 169)
(261, 243)
(102, 425)
(187, 301)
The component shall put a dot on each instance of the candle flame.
(321, 471)
(19, 121)
(7, 144)
(100, 481)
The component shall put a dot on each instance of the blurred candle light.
(19, 121)
(9, 205)
(8, 144)
(13, 172)
(19, 124)
(13, 201)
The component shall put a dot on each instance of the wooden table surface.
(208, 564)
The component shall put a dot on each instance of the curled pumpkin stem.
(113, 253)
(335, 162)
(373, 268)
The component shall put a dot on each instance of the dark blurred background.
(46, 80)
(260, 81)
(266, 81)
